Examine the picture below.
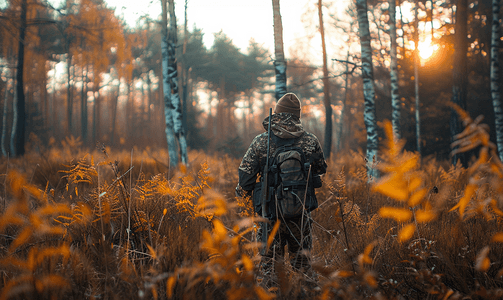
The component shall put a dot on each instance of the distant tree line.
(84, 73)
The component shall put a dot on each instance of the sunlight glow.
(426, 49)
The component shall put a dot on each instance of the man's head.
(289, 103)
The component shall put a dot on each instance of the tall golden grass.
(100, 224)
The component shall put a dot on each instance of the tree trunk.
(185, 91)
(368, 89)
(20, 114)
(459, 73)
(279, 63)
(495, 78)
(431, 19)
(168, 105)
(45, 95)
(416, 79)
(69, 100)
(96, 113)
(144, 109)
(401, 26)
(326, 90)
(114, 113)
(28, 104)
(395, 97)
(160, 100)
(83, 107)
(94, 136)
(173, 77)
(150, 100)
(53, 108)
(4, 118)
(343, 108)
(185, 75)
(15, 117)
(129, 109)
(220, 114)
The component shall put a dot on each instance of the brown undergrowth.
(123, 225)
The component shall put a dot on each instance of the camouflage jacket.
(286, 126)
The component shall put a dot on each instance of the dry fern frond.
(228, 264)
(81, 172)
(213, 204)
(32, 274)
(454, 173)
(344, 284)
(403, 182)
(486, 171)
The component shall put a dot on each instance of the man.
(293, 231)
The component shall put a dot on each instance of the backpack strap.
(279, 142)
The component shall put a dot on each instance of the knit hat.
(289, 103)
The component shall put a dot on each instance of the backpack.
(290, 182)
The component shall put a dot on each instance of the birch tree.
(168, 106)
(173, 78)
(395, 97)
(495, 78)
(172, 107)
(279, 63)
(326, 89)
(368, 88)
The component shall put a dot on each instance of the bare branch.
(347, 62)
(41, 21)
(332, 76)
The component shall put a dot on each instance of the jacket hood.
(285, 125)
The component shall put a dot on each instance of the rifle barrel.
(265, 181)
(265, 188)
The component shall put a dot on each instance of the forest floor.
(122, 225)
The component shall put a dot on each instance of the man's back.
(288, 134)
(284, 126)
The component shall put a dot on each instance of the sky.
(238, 19)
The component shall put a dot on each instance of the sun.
(427, 49)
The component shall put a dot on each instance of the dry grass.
(124, 226)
